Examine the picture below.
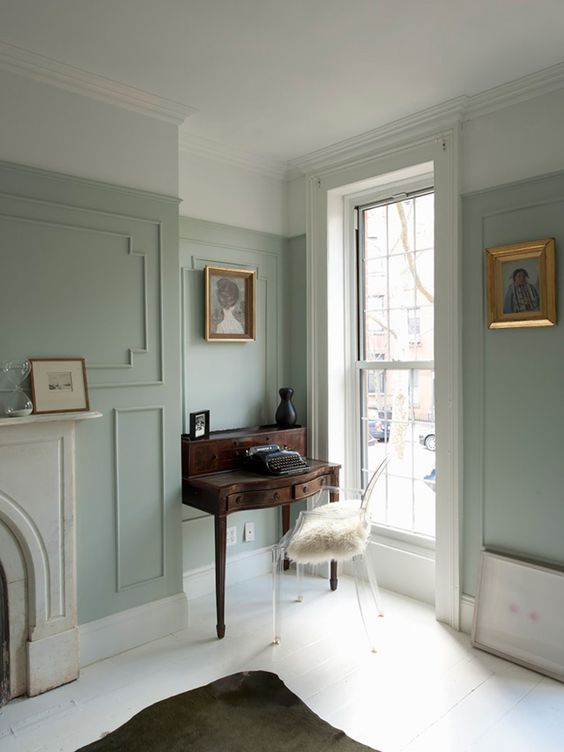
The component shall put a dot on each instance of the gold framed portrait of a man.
(521, 284)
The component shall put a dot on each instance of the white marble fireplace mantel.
(37, 547)
(48, 418)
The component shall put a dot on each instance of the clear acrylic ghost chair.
(332, 531)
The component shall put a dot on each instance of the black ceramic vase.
(286, 415)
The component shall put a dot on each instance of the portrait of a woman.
(229, 304)
(229, 314)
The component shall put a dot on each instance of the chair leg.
(277, 571)
(369, 599)
(300, 582)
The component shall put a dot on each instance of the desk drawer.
(253, 499)
(310, 487)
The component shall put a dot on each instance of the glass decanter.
(13, 399)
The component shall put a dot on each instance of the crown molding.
(527, 87)
(413, 126)
(219, 152)
(439, 116)
(47, 70)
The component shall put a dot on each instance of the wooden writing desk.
(214, 481)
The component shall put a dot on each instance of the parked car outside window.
(428, 440)
(379, 428)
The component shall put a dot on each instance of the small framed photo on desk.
(199, 425)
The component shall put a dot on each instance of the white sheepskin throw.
(323, 537)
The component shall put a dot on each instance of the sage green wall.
(238, 382)
(513, 406)
(91, 270)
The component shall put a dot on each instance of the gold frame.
(71, 400)
(249, 278)
(517, 253)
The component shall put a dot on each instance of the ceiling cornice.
(458, 109)
(47, 70)
(534, 85)
(50, 71)
(420, 123)
(220, 152)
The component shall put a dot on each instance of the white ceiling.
(281, 78)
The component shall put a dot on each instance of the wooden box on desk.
(225, 450)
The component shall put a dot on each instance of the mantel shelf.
(44, 418)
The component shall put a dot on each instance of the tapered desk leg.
(285, 528)
(220, 546)
(333, 582)
(333, 576)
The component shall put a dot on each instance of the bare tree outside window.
(397, 327)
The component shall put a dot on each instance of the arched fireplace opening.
(4, 641)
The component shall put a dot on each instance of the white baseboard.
(201, 581)
(128, 629)
(406, 572)
(466, 613)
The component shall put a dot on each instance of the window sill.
(414, 543)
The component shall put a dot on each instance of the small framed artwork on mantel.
(59, 385)
(199, 425)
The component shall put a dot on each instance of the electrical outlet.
(249, 531)
(231, 536)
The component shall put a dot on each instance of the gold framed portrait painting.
(521, 284)
(230, 304)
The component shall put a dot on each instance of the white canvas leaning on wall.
(519, 613)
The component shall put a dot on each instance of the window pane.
(425, 222)
(401, 282)
(376, 232)
(424, 507)
(400, 503)
(400, 226)
(424, 267)
(397, 404)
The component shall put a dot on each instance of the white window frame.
(408, 186)
(332, 190)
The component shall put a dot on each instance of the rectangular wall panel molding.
(513, 411)
(139, 495)
(91, 270)
(83, 257)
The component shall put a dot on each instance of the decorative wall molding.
(58, 178)
(407, 129)
(527, 87)
(146, 226)
(70, 78)
(220, 152)
(443, 115)
(151, 271)
(128, 629)
(161, 502)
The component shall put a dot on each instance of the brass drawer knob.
(239, 500)
(304, 489)
(276, 496)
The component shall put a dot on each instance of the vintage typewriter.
(269, 459)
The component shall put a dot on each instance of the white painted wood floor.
(425, 690)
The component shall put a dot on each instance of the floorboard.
(425, 690)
